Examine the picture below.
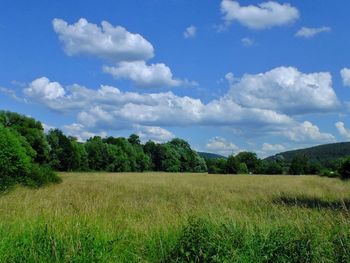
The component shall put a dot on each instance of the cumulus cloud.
(343, 131)
(43, 89)
(286, 90)
(153, 133)
(308, 32)
(345, 74)
(143, 75)
(80, 132)
(222, 146)
(268, 147)
(190, 32)
(262, 16)
(109, 108)
(105, 41)
(306, 131)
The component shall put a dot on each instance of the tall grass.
(159, 217)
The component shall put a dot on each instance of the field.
(160, 217)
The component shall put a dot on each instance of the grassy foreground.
(160, 217)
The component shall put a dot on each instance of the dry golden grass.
(142, 201)
(139, 217)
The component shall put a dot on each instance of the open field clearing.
(162, 217)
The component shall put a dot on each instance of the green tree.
(243, 169)
(250, 159)
(97, 152)
(61, 151)
(299, 165)
(30, 129)
(344, 169)
(232, 165)
(15, 164)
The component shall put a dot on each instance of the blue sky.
(225, 75)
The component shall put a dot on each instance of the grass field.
(160, 217)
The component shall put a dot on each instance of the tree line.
(28, 156)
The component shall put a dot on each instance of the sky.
(225, 75)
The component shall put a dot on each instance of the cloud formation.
(106, 41)
(343, 131)
(222, 146)
(309, 32)
(345, 74)
(255, 104)
(286, 90)
(153, 133)
(128, 52)
(264, 15)
(148, 76)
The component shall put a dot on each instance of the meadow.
(164, 217)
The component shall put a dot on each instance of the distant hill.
(211, 155)
(321, 153)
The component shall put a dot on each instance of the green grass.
(160, 217)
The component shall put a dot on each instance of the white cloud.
(43, 89)
(345, 74)
(153, 133)
(267, 147)
(343, 131)
(190, 32)
(308, 32)
(127, 51)
(286, 90)
(108, 108)
(306, 131)
(222, 146)
(107, 42)
(247, 42)
(262, 16)
(143, 75)
(78, 131)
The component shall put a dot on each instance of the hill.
(321, 153)
(206, 155)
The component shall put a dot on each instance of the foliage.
(250, 159)
(31, 130)
(232, 165)
(344, 169)
(243, 169)
(16, 166)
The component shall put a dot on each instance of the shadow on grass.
(342, 205)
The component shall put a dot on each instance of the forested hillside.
(321, 153)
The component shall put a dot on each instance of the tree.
(134, 139)
(61, 155)
(250, 159)
(232, 165)
(243, 169)
(298, 165)
(344, 169)
(79, 155)
(273, 167)
(15, 164)
(216, 166)
(31, 130)
(97, 152)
